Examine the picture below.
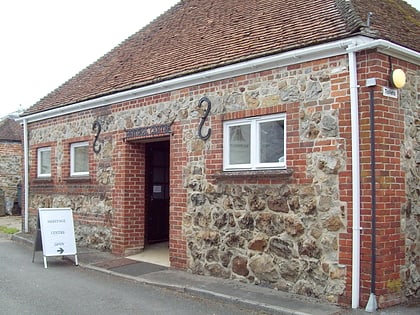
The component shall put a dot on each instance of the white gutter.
(389, 49)
(355, 156)
(336, 48)
(259, 64)
(26, 173)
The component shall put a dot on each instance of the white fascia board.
(389, 49)
(241, 68)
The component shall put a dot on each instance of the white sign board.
(57, 231)
(390, 92)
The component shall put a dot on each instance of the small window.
(79, 159)
(255, 143)
(44, 162)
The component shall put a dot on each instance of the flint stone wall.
(11, 161)
(410, 152)
(90, 201)
(92, 213)
(2, 204)
(282, 235)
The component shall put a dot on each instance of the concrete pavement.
(262, 299)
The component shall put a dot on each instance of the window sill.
(271, 174)
(78, 179)
(42, 180)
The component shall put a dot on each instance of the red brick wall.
(128, 227)
(178, 201)
(11, 148)
(390, 182)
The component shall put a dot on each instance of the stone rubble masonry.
(11, 161)
(286, 229)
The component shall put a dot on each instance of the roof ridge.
(352, 19)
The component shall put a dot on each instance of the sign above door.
(145, 133)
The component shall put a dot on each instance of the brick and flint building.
(240, 132)
(11, 158)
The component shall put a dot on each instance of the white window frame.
(73, 146)
(40, 152)
(254, 164)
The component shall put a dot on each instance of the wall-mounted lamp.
(397, 78)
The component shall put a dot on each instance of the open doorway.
(157, 192)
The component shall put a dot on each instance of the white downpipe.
(390, 49)
(26, 173)
(354, 103)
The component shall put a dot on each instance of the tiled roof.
(10, 130)
(393, 20)
(195, 35)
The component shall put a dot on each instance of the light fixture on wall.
(397, 78)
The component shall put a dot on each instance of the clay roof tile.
(10, 130)
(195, 35)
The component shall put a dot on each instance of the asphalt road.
(29, 288)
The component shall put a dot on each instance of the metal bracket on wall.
(96, 126)
(203, 119)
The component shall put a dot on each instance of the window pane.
(240, 144)
(45, 162)
(81, 162)
(272, 142)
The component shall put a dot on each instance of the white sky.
(46, 42)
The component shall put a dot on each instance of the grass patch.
(8, 230)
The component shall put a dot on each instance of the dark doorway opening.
(157, 191)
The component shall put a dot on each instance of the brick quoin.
(178, 201)
(390, 190)
(128, 228)
(390, 185)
